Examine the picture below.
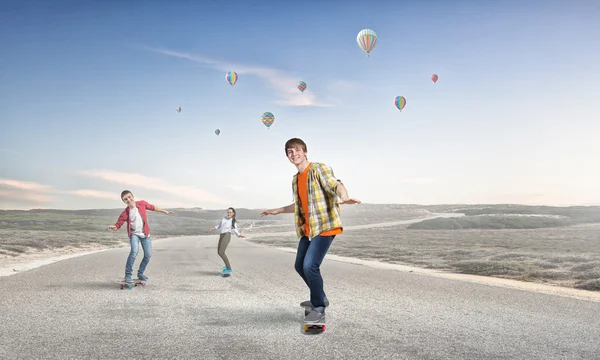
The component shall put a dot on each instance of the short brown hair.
(125, 192)
(294, 142)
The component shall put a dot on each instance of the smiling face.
(296, 155)
(128, 199)
(230, 213)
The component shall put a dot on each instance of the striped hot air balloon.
(367, 40)
(301, 86)
(231, 77)
(400, 102)
(268, 119)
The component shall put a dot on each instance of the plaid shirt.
(323, 209)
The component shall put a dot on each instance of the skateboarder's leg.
(134, 242)
(147, 247)
(312, 262)
(223, 242)
(303, 245)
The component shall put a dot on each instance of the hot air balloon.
(434, 78)
(268, 119)
(217, 132)
(178, 109)
(367, 39)
(301, 86)
(400, 102)
(231, 77)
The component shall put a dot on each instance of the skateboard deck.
(320, 325)
(130, 285)
(225, 275)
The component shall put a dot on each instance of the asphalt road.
(75, 309)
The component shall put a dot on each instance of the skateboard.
(225, 275)
(130, 285)
(312, 325)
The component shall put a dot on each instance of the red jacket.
(124, 217)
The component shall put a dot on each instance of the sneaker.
(226, 271)
(307, 303)
(314, 317)
(128, 279)
(142, 277)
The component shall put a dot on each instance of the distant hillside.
(513, 217)
(191, 221)
(194, 220)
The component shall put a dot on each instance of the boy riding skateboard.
(138, 230)
(317, 219)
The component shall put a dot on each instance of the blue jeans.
(309, 257)
(135, 248)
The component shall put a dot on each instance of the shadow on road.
(208, 273)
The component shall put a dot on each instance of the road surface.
(75, 309)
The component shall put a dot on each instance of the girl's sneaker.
(226, 271)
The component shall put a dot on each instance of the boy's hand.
(168, 212)
(243, 236)
(112, 227)
(347, 200)
(269, 212)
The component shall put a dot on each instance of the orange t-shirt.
(303, 194)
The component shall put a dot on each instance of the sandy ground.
(13, 265)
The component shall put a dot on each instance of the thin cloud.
(25, 185)
(114, 196)
(25, 196)
(284, 85)
(93, 194)
(150, 183)
(25, 191)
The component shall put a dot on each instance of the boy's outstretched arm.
(343, 194)
(156, 208)
(281, 210)
(119, 223)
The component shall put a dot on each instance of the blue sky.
(89, 92)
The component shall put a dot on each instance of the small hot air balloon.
(268, 119)
(434, 78)
(400, 102)
(178, 109)
(367, 39)
(217, 132)
(301, 86)
(231, 77)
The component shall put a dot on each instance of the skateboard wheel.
(323, 327)
(121, 286)
(305, 328)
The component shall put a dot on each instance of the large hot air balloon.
(301, 86)
(434, 78)
(400, 102)
(178, 109)
(217, 132)
(231, 77)
(367, 39)
(268, 119)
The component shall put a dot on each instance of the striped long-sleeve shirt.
(323, 208)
